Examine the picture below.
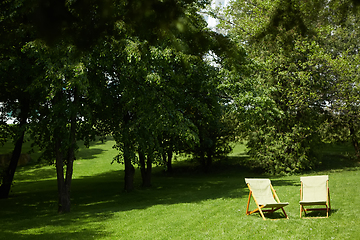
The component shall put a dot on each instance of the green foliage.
(174, 96)
(344, 62)
(7, 132)
(283, 152)
(283, 103)
(164, 92)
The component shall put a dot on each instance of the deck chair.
(315, 191)
(264, 196)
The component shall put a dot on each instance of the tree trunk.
(202, 160)
(129, 169)
(64, 179)
(129, 174)
(354, 140)
(209, 157)
(169, 168)
(165, 162)
(10, 171)
(149, 162)
(208, 161)
(142, 166)
(146, 169)
(63, 183)
(63, 191)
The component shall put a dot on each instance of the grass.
(184, 205)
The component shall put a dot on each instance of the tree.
(168, 84)
(19, 95)
(62, 112)
(283, 104)
(341, 54)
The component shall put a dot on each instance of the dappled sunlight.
(35, 173)
(89, 154)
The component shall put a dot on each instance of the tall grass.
(184, 205)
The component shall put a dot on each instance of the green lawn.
(185, 205)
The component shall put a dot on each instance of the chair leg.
(247, 208)
(261, 212)
(284, 213)
(301, 210)
(327, 211)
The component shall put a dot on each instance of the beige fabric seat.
(314, 191)
(264, 196)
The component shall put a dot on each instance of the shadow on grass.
(34, 173)
(285, 183)
(318, 213)
(33, 206)
(337, 156)
(99, 197)
(179, 187)
(278, 215)
(93, 151)
(55, 227)
(96, 142)
(89, 153)
(335, 161)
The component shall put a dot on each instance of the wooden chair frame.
(260, 208)
(327, 207)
